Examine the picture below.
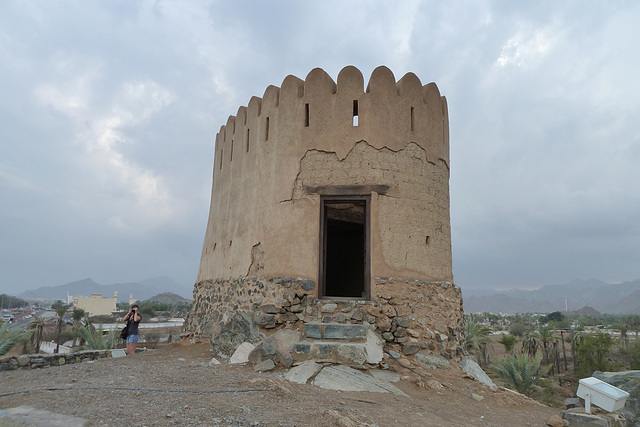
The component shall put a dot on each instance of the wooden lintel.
(347, 190)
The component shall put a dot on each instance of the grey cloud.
(542, 101)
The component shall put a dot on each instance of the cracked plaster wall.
(410, 229)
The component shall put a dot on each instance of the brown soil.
(173, 385)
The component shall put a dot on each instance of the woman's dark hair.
(135, 305)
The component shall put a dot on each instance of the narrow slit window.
(355, 112)
(221, 156)
(306, 115)
(266, 130)
(247, 140)
(412, 127)
(231, 156)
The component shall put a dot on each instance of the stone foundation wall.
(411, 315)
(32, 361)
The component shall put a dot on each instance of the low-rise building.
(96, 305)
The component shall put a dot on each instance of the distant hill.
(587, 311)
(621, 298)
(501, 303)
(141, 290)
(168, 298)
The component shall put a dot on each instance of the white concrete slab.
(118, 352)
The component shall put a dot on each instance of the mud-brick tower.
(330, 203)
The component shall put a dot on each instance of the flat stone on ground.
(432, 362)
(300, 374)
(28, 416)
(474, 370)
(343, 378)
(266, 365)
(385, 375)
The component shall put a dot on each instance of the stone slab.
(344, 331)
(474, 370)
(343, 378)
(266, 365)
(331, 351)
(241, 355)
(300, 374)
(335, 331)
(28, 416)
(432, 362)
(385, 375)
(580, 418)
(373, 348)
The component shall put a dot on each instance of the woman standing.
(133, 319)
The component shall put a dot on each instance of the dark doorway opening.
(345, 262)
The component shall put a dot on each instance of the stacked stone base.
(33, 361)
(409, 315)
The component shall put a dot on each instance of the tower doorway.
(344, 255)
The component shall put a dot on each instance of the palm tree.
(78, 314)
(9, 339)
(546, 336)
(577, 338)
(37, 326)
(624, 330)
(96, 340)
(60, 311)
(531, 344)
(478, 342)
(521, 372)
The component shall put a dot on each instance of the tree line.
(543, 352)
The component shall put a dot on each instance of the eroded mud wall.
(303, 135)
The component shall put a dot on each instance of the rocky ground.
(174, 385)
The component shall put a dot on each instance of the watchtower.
(331, 195)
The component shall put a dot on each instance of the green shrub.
(151, 338)
(518, 329)
(509, 342)
(594, 353)
(630, 355)
(521, 372)
(98, 339)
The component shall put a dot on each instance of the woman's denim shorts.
(132, 339)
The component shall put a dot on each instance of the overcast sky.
(109, 109)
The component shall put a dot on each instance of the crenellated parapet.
(321, 114)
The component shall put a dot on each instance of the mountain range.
(620, 298)
(141, 290)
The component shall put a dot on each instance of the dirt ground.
(173, 385)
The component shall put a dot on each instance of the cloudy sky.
(109, 109)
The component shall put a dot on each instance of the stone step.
(335, 331)
(330, 351)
